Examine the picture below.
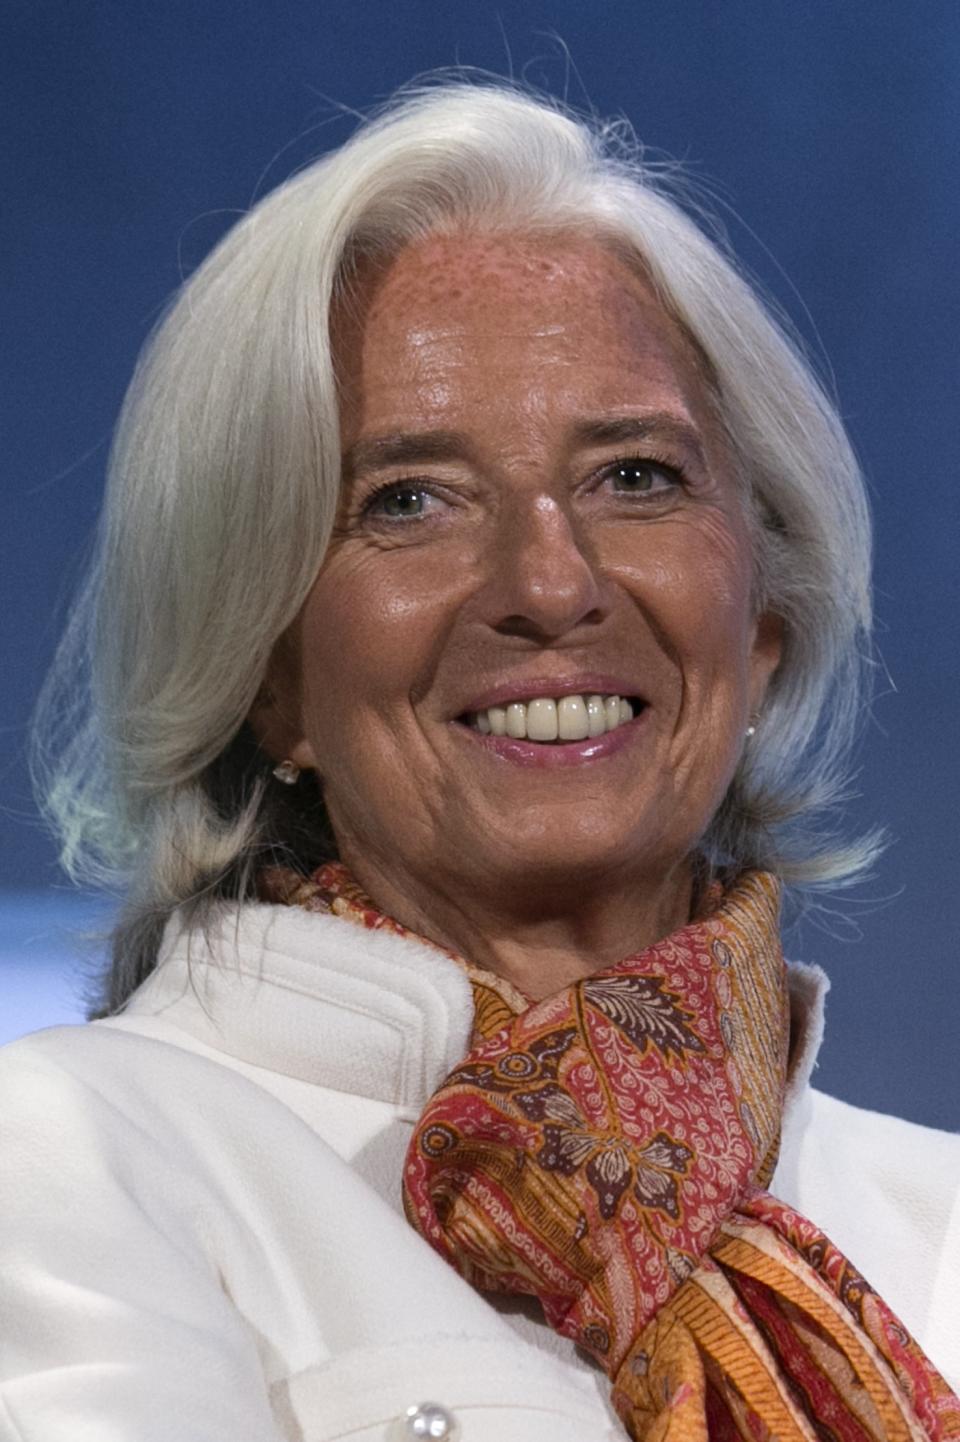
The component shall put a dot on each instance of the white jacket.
(201, 1237)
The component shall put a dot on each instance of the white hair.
(223, 484)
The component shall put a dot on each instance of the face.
(538, 506)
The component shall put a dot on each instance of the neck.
(541, 938)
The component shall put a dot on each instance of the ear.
(766, 653)
(275, 717)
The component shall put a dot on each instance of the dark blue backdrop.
(133, 132)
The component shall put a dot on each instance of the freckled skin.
(525, 561)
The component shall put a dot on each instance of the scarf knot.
(607, 1151)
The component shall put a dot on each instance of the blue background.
(135, 132)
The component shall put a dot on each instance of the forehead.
(555, 304)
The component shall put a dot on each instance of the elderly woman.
(473, 649)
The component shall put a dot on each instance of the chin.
(564, 860)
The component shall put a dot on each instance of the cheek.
(375, 623)
(693, 577)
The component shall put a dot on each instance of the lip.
(547, 755)
(533, 689)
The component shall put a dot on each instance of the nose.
(543, 580)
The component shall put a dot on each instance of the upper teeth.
(564, 718)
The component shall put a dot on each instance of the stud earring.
(752, 728)
(288, 772)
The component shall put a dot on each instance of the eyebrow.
(666, 425)
(410, 447)
(403, 448)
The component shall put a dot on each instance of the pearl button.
(430, 1420)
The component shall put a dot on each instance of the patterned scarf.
(606, 1150)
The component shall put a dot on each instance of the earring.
(288, 772)
(751, 729)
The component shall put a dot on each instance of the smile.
(555, 720)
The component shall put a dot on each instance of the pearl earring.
(288, 772)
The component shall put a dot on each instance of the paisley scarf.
(606, 1150)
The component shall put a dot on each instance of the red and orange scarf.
(606, 1150)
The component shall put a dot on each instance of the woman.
(473, 652)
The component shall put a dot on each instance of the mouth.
(556, 720)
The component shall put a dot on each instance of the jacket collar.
(370, 1013)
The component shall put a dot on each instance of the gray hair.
(223, 484)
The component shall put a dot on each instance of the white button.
(430, 1420)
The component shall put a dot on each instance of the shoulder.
(105, 1254)
(867, 1158)
(883, 1141)
(107, 1065)
(83, 1104)
(106, 1107)
(41, 1073)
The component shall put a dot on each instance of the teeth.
(568, 718)
(541, 722)
(596, 715)
(572, 723)
(517, 720)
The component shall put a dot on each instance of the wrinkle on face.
(499, 292)
(506, 351)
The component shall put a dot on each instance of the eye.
(640, 476)
(401, 501)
